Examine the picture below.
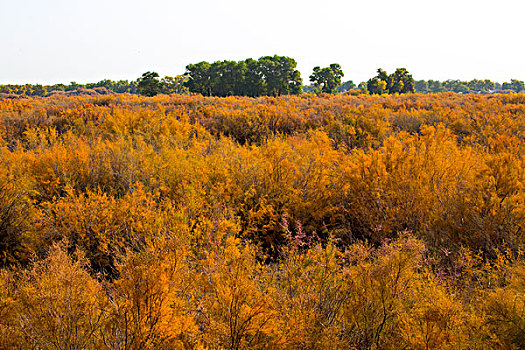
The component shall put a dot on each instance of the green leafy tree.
(421, 86)
(199, 78)
(149, 84)
(383, 76)
(435, 86)
(380, 84)
(456, 86)
(376, 86)
(39, 90)
(362, 86)
(346, 86)
(401, 82)
(253, 84)
(174, 85)
(280, 75)
(327, 79)
(489, 85)
(229, 78)
(73, 86)
(515, 85)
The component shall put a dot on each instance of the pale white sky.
(53, 41)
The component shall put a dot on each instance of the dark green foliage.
(149, 84)
(120, 86)
(327, 79)
(402, 82)
(472, 86)
(514, 85)
(346, 86)
(398, 82)
(376, 86)
(253, 84)
(270, 75)
(200, 78)
(280, 75)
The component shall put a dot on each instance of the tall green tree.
(149, 84)
(435, 86)
(200, 78)
(398, 82)
(515, 85)
(174, 85)
(376, 86)
(327, 79)
(280, 75)
(421, 86)
(253, 84)
(401, 82)
(229, 78)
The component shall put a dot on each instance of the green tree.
(383, 76)
(327, 79)
(489, 85)
(229, 76)
(280, 75)
(149, 84)
(456, 86)
(421, 86)
(515, 85)
(39, 90)
(435, 86)
(73, 86)
(401, 82)
(174, 85)
(346, 86)
(199, 78)
(253, 84)
(379, 84)
(376, 86)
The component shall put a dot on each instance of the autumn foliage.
(295, 222)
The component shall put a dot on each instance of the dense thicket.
(190, 222)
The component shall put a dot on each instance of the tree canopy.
(398, 82)
(270, 76)
(327, 79)
(149, 84)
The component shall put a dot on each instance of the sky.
(60, 41)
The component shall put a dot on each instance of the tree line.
(121, 86)
(267, 76)
(475, 85)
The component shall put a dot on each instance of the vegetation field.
(291, 222)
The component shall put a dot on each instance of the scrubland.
(294, 222)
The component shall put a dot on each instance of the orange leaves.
(58, 303)
(236, 300)
(149, 306)
(263, 223)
